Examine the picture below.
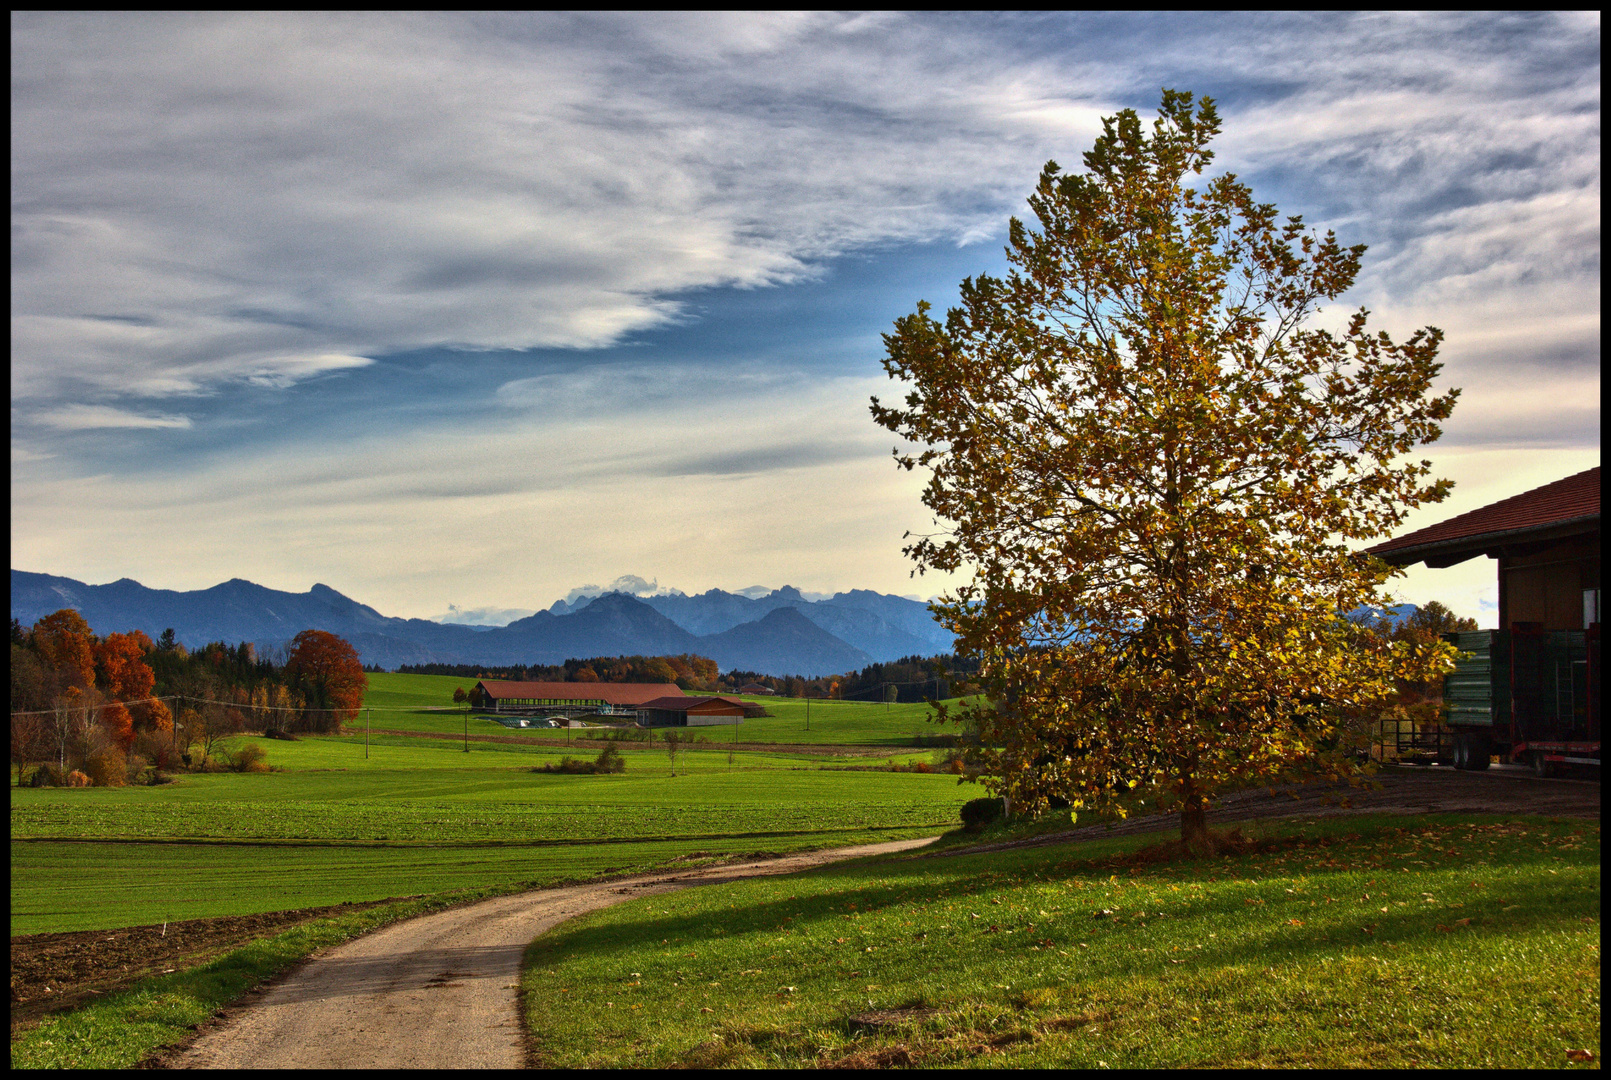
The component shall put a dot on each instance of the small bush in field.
(249, 758)
(106, 767)
(608, 761)
(977, 813)
(77, 779)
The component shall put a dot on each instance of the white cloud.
(208, 202)
(483, 616)
(186, 215)
(79, 417)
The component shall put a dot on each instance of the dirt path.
(439, 991)
(1403, 790)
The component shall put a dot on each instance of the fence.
(1412, 741)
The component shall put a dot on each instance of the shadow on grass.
(888, 886)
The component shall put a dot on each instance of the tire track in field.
(438, 991)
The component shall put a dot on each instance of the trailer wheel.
(1479, 752)
(1542, 766)
(1460, 751)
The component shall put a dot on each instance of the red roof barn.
(503, 695)
(1547, 542)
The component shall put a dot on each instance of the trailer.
(1526, 695)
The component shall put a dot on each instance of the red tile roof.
(614, 693)
(1576, 498)
(687, 704)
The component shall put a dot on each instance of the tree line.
(93, 710)
(688, 671)
(910, 679)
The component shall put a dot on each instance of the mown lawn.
(1371, 942)
(421, 816)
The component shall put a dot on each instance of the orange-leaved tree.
(1156, 473)
(329, 674)
(124, 673)
(118, 724)
(64, 641)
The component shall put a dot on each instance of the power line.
(96, 708)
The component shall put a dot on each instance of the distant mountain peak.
(784, 632)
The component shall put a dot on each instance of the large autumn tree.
(1156, 467)
(329, 674)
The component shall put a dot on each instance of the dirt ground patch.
(1399, 790)
(56, 971)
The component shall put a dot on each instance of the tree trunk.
(1194, 817)
(1194, 830)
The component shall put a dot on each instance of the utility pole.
(466, 728)
(808, 711)
(366, 733)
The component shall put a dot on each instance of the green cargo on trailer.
(1528, 695)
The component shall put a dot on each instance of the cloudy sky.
(463, 312)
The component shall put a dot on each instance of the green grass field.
(403, 703)
(420, 816)
(1361, 942)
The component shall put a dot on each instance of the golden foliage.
(1155, 473)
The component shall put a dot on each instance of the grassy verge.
(133, 1024)
(1441, 941)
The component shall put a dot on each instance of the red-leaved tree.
(327, 671)
(121, 663)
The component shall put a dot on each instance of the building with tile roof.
(568, 698)
(686, 711)
(1546, 541)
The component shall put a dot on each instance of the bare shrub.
(157, 748)
(105, 766)
(249, 758)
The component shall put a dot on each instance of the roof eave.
(1442, 553)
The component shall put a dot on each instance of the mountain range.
(781, 633)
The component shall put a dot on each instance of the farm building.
(570, 698)
(1547, 542)
(1528, 691)
(756, 689)
(684, 711)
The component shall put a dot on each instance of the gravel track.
(438, 991)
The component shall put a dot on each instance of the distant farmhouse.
(690, 712)
(568, 699)
(649, 704)
(755, 689)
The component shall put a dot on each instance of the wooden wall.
(1545, 585)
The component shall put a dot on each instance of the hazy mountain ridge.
(821, 637)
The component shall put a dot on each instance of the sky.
(462, 314)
